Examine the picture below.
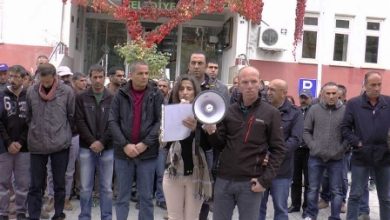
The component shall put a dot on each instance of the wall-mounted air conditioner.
(273, 39)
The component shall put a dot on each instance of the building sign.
(309, 84)
(160, 4)
(137, 4)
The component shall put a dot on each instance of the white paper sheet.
(172, 128)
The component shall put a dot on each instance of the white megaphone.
(209, 107)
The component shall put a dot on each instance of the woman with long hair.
(187, 181)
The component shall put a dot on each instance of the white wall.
(32, 22)
(360, 10)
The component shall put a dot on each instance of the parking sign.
(310, 84)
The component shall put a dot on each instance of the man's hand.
(256, 186)
(265, 161)
(130, 150)
(96, 146)
(14, 147)
(141, 147)
(210, 129)
(190, 122)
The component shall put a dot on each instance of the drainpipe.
(62, 20)
(247, 41)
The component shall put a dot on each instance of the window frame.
(344, 31)
(313, 28)
(372, 33)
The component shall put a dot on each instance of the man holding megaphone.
(249, 130)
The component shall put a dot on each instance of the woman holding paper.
(186, 182)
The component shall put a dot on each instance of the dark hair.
(368, 74)
(112, 70)
(342, 88)
(199, 52)
(212, 60)
(176, 87)
(328, 84)
(19, 70)
(135, 63)
(96, 68)
(45, 69)
(78, 75)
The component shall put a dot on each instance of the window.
(372, 41)
(309, 42)
(341, 38)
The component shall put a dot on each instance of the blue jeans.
(360, 175)
(125, 170)
(89, 162)
(325, 192)
(335, 172)
(228, 194)
(161, 159)
(279, 191)
(18, 165)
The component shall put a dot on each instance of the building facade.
(342, 39)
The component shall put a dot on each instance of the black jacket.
(13, 124)
(121, 121)
(92, 118)
(245, 139)
(370, 125)
(292, 123)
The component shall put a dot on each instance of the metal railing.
(60, 48)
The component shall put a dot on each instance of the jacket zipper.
(250, 122)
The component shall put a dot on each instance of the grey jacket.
(221, 88)
(50, 122)
(322, 131)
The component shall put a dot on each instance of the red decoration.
(299, 19)
(185, 10)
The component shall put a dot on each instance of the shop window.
(309, 42)
(372, 41)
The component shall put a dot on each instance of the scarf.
(200, 175)
(50, 95)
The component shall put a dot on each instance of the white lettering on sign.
(307, 84)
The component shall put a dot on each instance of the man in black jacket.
(292, 123)
(301, 157)
(96, 151)
(250, 129)
(365, 127)
(134, 124)
(13, 130)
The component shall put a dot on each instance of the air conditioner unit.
(273, 39)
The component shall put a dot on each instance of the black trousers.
(59, 163)
(301, 157)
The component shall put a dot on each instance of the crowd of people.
(65, 134)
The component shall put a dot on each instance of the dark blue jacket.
(92, 118)
(292, 123)
(13, 125)
(121, 121)
(370, 125)
(2, 145)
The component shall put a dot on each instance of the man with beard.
(50, 112)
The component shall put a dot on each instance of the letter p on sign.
(310, 84)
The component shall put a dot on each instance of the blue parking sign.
(310, 84)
